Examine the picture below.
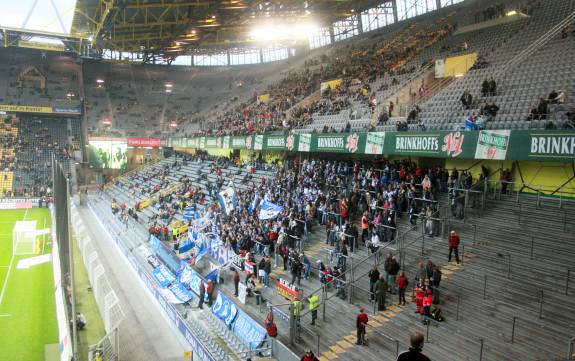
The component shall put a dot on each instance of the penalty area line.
(9, 269)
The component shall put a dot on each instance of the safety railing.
(516, 191)
(106, 298)
(385, 336)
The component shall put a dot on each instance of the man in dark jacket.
(296, 271)
(351, 236)
(466, 99)
(236, 282)
(485, 88)
(393, 270)
(434, 282)
(492, 87)
(414, 353)
(373, 278)
(380, 288)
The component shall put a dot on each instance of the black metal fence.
(62, 224)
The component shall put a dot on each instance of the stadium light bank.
(273, 32)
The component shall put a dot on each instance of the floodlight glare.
(282, 31)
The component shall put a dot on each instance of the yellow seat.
(6, 180)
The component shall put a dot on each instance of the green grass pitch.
(27, 306)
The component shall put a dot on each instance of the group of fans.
(333, 194)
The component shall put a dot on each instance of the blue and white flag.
(202, 250)
(227, 199)
(179, 292)
(213, 276)
(254, 204)
(189, 213)
(269, 210)
(185, 273)
(163, 276)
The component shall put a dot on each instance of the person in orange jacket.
(364, 227)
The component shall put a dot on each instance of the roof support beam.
(142, 5)
(106, 9)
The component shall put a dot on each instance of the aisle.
(144, 334)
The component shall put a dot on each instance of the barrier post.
(513, 330)
(323, 300)
(480, 349)
(540, 304)
(457, 311)
(484, 287)
(474, 234)
(352, 279)
(465, 206)
(539, 197)
(567, 282)
(509, 265)
(318, 343)
(532, 241)
(570, 350)
(422, 237)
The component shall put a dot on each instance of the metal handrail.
(381, 333)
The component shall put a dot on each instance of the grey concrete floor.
(144, 334)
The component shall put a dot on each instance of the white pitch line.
(43, 237)
(7, 315)
(9, 269)
(6, 279)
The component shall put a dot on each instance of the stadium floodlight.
(24, 238)
(271, 32)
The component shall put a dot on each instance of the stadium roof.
(183, 26)
(54, 16)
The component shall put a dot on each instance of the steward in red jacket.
(453, 246)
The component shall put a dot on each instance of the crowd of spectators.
(361, 67)
(7, 142)
(553, 104)
(331, 193)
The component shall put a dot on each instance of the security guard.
(296, 308)
(313, 307)
(174, 233)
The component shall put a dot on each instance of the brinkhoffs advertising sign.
(541, 145)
